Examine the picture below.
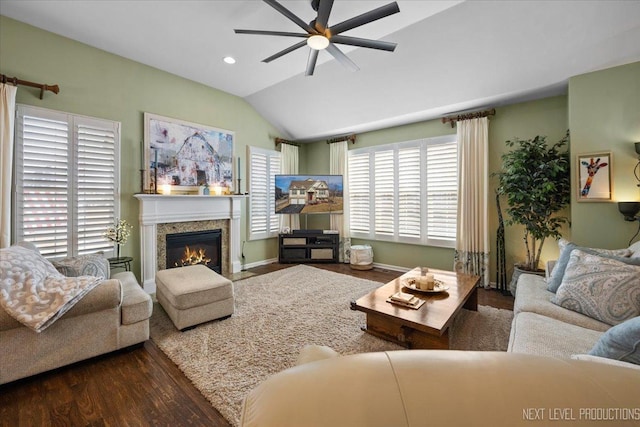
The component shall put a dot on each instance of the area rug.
(276, 315)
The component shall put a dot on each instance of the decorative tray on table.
(412, 284)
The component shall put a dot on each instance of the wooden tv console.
(308, 246)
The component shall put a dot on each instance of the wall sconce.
(629, 210)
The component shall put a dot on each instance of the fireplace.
(161, 215)
(195, 247)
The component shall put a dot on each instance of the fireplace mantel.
(161, 209)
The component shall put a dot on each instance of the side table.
(122, 262)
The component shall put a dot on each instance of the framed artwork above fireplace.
(180, 157)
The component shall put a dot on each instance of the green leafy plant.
(536, 181)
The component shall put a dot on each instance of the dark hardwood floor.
(139, 386)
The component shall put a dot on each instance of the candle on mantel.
(239, 168)
(165, 189)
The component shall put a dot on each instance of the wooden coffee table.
(428, 326)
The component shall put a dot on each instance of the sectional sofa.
(586, 293)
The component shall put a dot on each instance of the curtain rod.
(467, 116)
(16, 81)
(284, 141)
(350, 138)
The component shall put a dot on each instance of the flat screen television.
(308, 194)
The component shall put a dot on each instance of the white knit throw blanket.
(33, 292)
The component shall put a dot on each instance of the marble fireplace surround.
(160, 214)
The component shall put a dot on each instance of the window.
(66, 181)
(405, 192)
(264, 165)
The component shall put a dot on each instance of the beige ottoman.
(193, 295)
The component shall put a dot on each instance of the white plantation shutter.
(258, 193)
(96, 179)
(384, 190)
(409, 189)
(442, 192)
(263, 166)
(405, 192)
(43, 181)
(66, 181)
(359, 192)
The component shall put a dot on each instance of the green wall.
(96, 83)
(604, 115)
(525, 120)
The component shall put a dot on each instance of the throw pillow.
(602, 288)
(566, 247)
(84, 265)
(622, 342)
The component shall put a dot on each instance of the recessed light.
(229, 60)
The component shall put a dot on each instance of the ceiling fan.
(319, 35)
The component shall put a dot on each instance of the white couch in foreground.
(445, 388)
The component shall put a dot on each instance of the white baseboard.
(259, 263)
(392, 267)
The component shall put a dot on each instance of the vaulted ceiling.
(452, 55)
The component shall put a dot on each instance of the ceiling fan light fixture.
(318, 42)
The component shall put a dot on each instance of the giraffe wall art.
(594, 177)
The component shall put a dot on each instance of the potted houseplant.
(535, 179)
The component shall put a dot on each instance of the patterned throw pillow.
(602, 288)
(566, 247)
(84, 265)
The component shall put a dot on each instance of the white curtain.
(338, 166)
(7, 119)
(289, 166)
(472, 243)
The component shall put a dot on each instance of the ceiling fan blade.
(357, 41)
(365, 18)
(341, 57)
(311, 62)
(285, 51)
(286, 12)
(271, 33)
(324, 10)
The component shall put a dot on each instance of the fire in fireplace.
(196, 247)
